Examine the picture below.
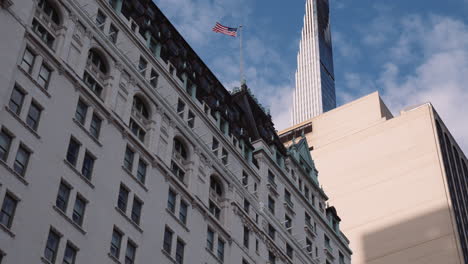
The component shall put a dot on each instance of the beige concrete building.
(400, 183)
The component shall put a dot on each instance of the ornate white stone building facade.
(118, 145)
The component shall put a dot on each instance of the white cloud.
(441, 77)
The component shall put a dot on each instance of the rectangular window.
(95, 87)
(73, 150)
(130, 253)
(123, 198)
(42, 33)
(271, 178)
(115, 243)
(154, 79)
(327, 242)
(214, 210)
(8, 210)
(142, 65)
(308, 219)
(180, 108)
(210, 239)
(215, 146)
(271, 205)
(171, 200)
(245, 179)
(191, 119)
(34, 114)
(100, 20)
(183, 212)
(309, 246)
(221, 244)
(306, 192)
(81, 110)
(21, 161)
(180, 251)
(50, 252)
(287, 196)
(88, 165)
(136, 210)
(44, 76)
(62, 197)
(224, 156)
(5, 144)
(271, 231)
(289, 251)
(167, 246)
(246, 206)
(28, 60)
(95, 127)
(79, 210)
(288, 223)
(341, 258)
(141, 172)
(178, 172)
(246, 236)
(128, 160)
(16, 100)
(137, 130)
(113, 33)
(70, 254)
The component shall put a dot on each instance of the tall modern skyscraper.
(315, 79)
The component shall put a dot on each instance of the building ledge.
(86, 180)
(137, 227)
(177, 220)
(42, 89)
(75, 225)
(168, 255)
(18, 176)
(7, 230)
(87, 132)
(113, 258)
(129, 173)
(33, 132)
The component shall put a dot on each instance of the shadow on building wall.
(424, 239)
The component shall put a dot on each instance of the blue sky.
(410, 51)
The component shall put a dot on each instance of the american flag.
(225, 30)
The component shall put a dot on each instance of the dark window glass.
(141, 172)
(210, 239)
(139, 108)
(289, 251)
(95, 128)
(137, 130)
(115, 243)
(178, 172)
(179, 148)
(130, 253)
(28, 61)
(180, 252)
(136, 210)
(34, 115)
(221, 250)
(183, 212)
(48, 11)
(21, 161)
(154, 79)
(142, 65)
(167, 240)
(88, 165)
(70, 255)
(5, 144)
(214, 210)
(245, 179)
(271, 205)
(79, 210)
(271, 258)
(113, 33)
(62, 197)
(16, 101)
(8, 210)
(171, 200)
(50, 252)
(81, 110)
(271, 231)
(191, 119)
(44, 76)
(43, 33)
(308, 246)
(100, 20)
(246, 205)
(72, 152)
(123, 198)
(128, 160)
(180, 108)
(92, 84)
(246, 237)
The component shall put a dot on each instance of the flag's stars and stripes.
(225, 30)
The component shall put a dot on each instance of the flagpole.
(241, 59)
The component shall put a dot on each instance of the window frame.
(22, 166)
(11, 215)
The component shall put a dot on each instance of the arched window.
(139, 107)
(216, 186)
(49, 11)
(97, 61)
(179, 148)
